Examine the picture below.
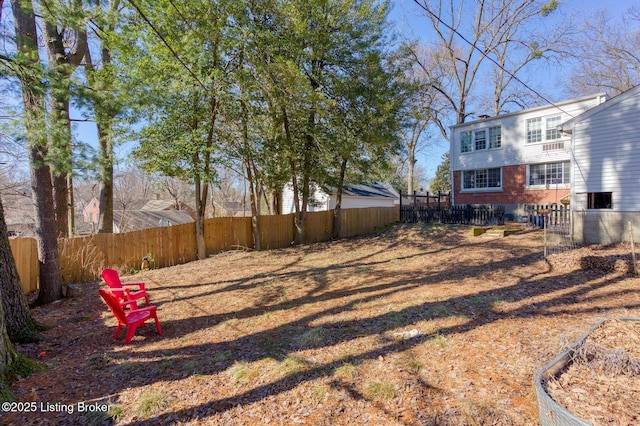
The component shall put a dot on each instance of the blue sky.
(411, 22)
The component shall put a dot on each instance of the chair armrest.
(141, 285)
(150, 308)
(128, 302)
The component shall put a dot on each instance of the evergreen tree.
(442, 181)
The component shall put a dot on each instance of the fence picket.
(82, 258)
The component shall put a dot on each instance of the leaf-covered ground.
(420, 325)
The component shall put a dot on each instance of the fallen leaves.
(420, 325)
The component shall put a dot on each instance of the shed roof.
(373, 189)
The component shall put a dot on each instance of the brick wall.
(513, 190)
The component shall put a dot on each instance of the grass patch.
(497, 304)
(222, 356)
(345, 371)
(97, 418)
(392, 320)
(99, 361)
(415, 366)
(273, 349)
(81, 318)
(313, 337)
(126, 367)
(230, 323)
(292, 364)
(439, 310)
(150, 402)
(189, 365)
(320, 392)
(439, 341)
(380, 391)
(241, 372)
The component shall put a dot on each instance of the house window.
(534, 130)
(483, 178)
(552, 128)
(465, 141)
(544, 129)
(480, 140)
(549, 173)
(495, 137)
(599, 200)
(477, 140)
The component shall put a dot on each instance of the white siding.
(352, 202)
(287, 199)
(323, 201)
(607, 155)
(317, 202)
(515, 149)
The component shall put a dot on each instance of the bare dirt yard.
(418, 325)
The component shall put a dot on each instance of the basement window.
(599, 200)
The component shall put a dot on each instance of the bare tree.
(605, 54)
(179, 190)
(476, 36)
(419, 111)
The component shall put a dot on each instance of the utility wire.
(473, 46)
(173, 52)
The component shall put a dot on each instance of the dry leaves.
(601, 384)
(421, 325)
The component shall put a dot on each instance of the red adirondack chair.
(121, 289)
(132, 319)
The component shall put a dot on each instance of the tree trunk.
(8, 356)
(275, 201)
(201, 204)
(62, 62)
(41, 186)
(337, 223)
(255, 213)
(411, 164)
(105, 218)
(46, 230)
(20, 325)
(251, 177)
(104, 122)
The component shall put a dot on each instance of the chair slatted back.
(112, 302)
(112, 278)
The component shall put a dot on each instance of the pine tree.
(442, 181)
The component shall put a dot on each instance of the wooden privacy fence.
(25, 252)
(82, 258)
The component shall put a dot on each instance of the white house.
(517, 158)
(605, 189)
(375, 194)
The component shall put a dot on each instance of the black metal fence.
(465, 214)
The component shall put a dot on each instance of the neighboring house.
(134, 220)
(605, 187)
(91, 212)
(139, 214)
(517, 158)
(157, 205)
(229, 209)
(354, 196)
